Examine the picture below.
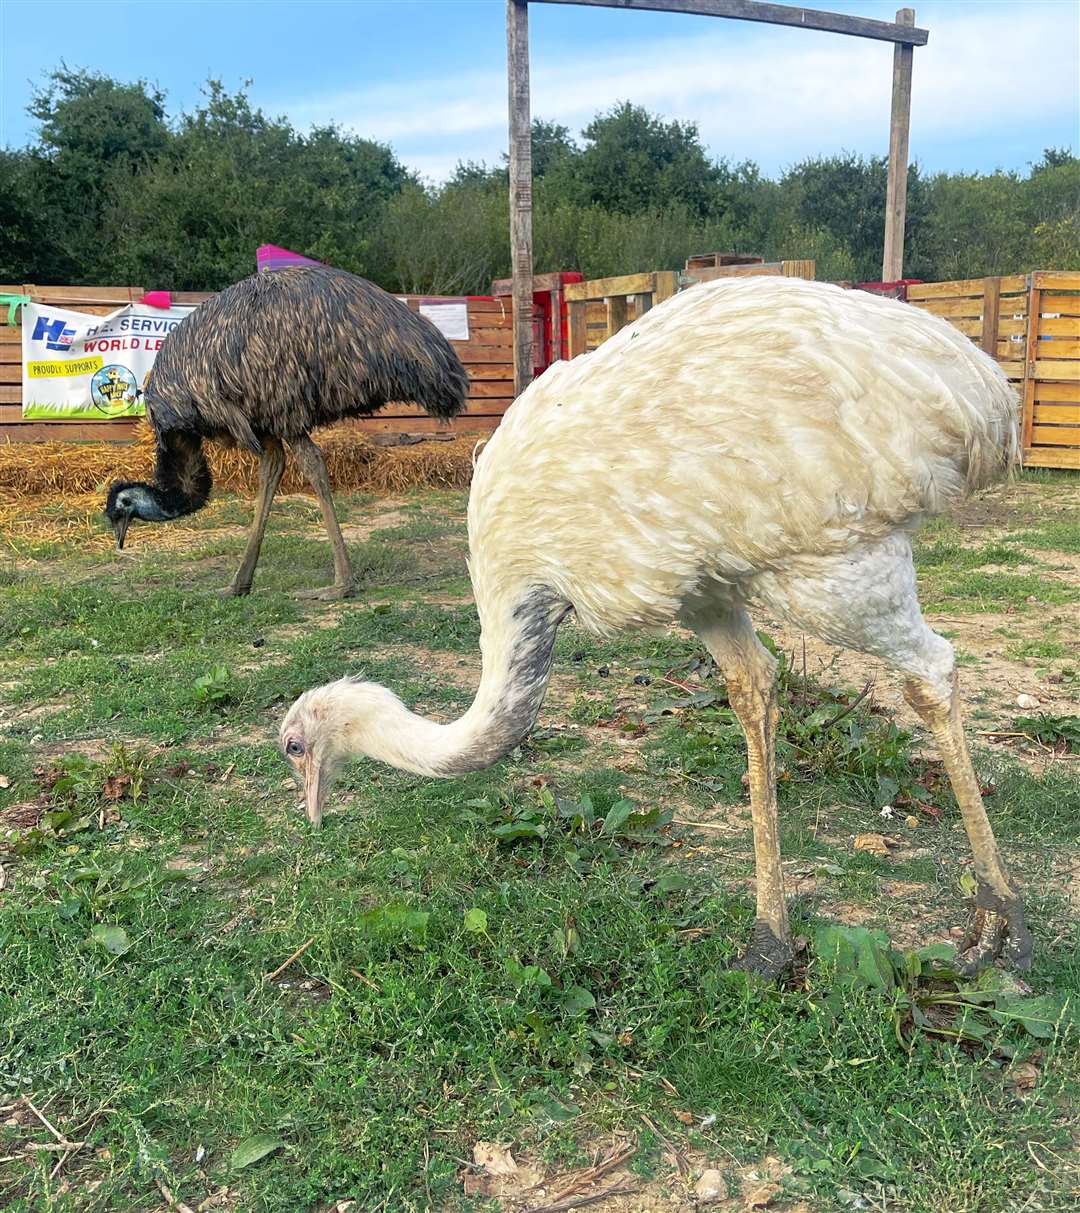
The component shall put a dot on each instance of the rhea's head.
(129, 499)
(329, 725)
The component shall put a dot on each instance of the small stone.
(642, 680)
(911, 821)
(1028, 702)
(711, 1186)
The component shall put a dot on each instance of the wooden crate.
(487, 357)
(599, 309)
(784, 269)
(1031, 324)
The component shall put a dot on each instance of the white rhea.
(751, 441)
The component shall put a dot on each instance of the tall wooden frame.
(903, 34)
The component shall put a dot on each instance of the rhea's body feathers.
(743, 427)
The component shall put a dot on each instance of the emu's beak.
(120, 527)
(315, 789)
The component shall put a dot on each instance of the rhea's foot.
(330, 593)
(768, 955)
(234, 590)
(998, 935)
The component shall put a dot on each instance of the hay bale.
(354, 462)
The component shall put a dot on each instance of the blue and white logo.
(55, 333)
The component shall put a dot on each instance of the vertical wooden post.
(892, 266)
(576, 327)
(517, 62)
(556, 325)
(1031, 355)
(615, 314)
(988, 338)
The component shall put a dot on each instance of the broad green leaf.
(577, 1000)
(672, 882)
(476, 921)
(251, 1149)
(113, 939)
(617, 815)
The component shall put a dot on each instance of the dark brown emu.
(264, 363)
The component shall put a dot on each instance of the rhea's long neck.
(516, 644)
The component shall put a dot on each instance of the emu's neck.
(517, 644)
(182, 480)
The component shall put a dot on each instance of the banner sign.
(83, 367)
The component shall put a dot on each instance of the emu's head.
(129, 499)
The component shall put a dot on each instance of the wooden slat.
(1065, 392)
(1058, 347)
(1059, 326)
(1057, 280)
(1027, 392)
(576, 328)
(1064, 305)
(1014, 370)
(1055, 435)
(1010, 284)
(67, 431)
(1057, 414)
(617, 314)
(952, 307)
(988, 338)
(1045, 368)
(601, 288)
(1052, 457)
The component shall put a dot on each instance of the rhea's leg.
(866, 600)
(312, 464)
(271, 466)
(998, 928)
(750, 673)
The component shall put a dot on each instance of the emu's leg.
(312, 464)
(750, 673)
(866, 600)
(271, 466)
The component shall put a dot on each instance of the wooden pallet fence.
(598, 309)
(1031, 324)
(783, 269)
(487, 357)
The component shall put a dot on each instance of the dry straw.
(64, 469)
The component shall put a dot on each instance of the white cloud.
(767, 94)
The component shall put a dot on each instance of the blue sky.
(997, 83)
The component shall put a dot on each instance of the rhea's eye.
(294, 748)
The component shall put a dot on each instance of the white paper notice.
(451, 319)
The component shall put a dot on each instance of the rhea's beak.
(120, 526)
(315, 789)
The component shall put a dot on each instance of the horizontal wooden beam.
(773, 14)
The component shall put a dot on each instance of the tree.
(634, 161)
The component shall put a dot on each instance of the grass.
(535, 954)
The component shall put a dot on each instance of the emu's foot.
(329, 593)
(234, 590)
(998, 935)
(768, 955)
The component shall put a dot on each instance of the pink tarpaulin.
(272, 257)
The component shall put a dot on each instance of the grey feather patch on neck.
(536, 620)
